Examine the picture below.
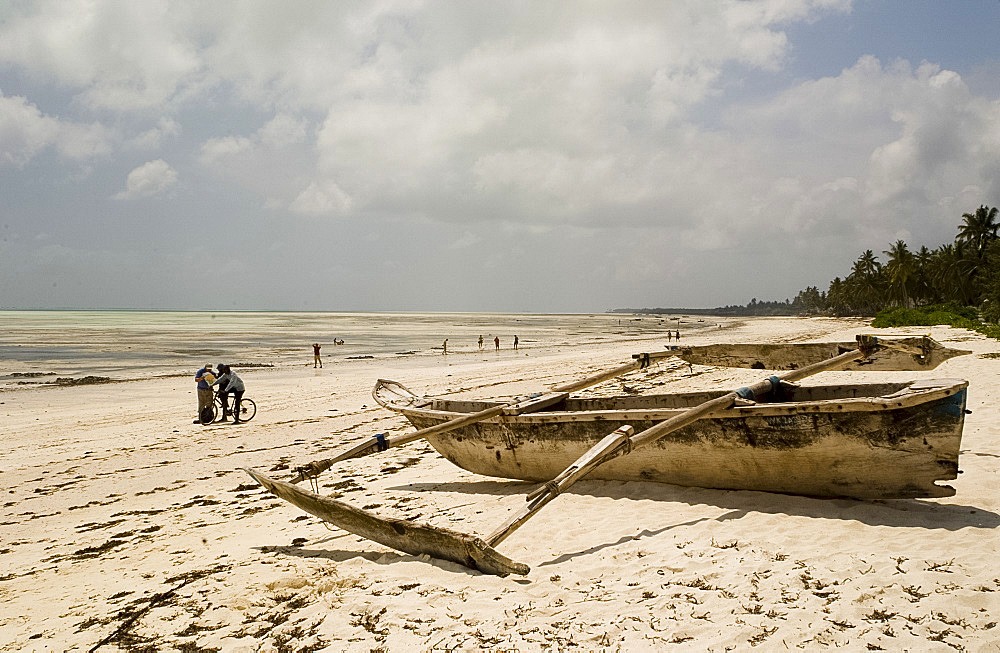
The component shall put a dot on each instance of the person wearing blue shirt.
(204, 377)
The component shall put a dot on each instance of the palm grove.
(965, 272)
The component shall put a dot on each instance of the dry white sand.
(127, 527)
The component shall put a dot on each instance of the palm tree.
(951, 273)
(837, 297)
(922, 291)
(863, 285)
(990, 283)
(900, 268)
(867, 264)
(979, 229)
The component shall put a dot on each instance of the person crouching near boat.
(230, 382)
(204, 377)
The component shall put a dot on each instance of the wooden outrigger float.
(889, 440)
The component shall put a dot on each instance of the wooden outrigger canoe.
(865, 441)
(906, 353)
(885, 440)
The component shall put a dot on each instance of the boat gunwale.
(905, 398)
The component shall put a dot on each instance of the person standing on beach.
(316, 359)
(444, 347)
(670, 334)
(515, 343)
(223, 393)
(678, 336)
(204, 377)
(496, 341)
(480, 341)
(230, 382)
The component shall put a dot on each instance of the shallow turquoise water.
(133, 344)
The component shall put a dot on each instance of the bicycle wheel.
(247, 409)
(208, 413)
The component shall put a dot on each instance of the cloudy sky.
(481, 155)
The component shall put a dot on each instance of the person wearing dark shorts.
(233, 384)
(223, 394)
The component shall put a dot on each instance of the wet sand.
(126, 526)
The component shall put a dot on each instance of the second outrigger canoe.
(866, 441)
(906, 353)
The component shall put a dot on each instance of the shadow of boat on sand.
(896, 513)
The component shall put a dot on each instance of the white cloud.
(283, 131)
(531, 123)
(325, 199)
(219, 150)
(149, 179)
(25, 132)
(419, 99)
(120, 56)
(276, 162)
(622, 123)
(906, 137)
(152, 139)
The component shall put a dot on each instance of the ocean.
(40, 346)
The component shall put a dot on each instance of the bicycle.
(214, 410)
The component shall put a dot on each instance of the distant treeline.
(753, 308)
(963, 273)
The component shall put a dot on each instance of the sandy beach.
(127, 527)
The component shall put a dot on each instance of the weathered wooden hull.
(872, 441)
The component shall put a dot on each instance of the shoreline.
(118, 506)
(140, 344)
